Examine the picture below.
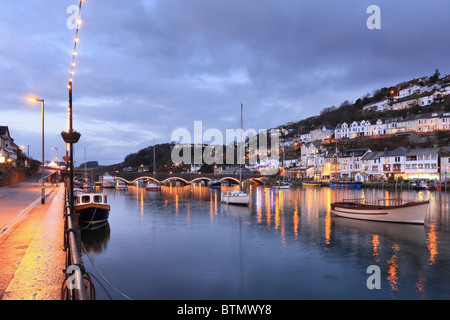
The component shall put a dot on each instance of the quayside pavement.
(31, 242)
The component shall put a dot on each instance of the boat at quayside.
(386, 210)
(91, 208)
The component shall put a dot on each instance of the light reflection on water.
(182, 243)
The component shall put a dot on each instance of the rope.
(103, 277)
(92, 219)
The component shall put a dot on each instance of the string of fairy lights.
(74, 53)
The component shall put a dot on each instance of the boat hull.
(92, 213)
(346, 185)
(408, 213)
(108, 184)
(236, 199)
(311, 184)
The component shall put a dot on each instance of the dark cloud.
(145, 68)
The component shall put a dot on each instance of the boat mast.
(154, 160)
(243, 151)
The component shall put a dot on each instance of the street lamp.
(42, 113)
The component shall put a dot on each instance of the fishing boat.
(121, 185)
(386, 210)
(345, 184)
(281, 185)
(108, 181)
(236, 197)
(91, 208)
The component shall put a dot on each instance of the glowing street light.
(42, 113)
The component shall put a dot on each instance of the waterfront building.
(422, 163)
(371, 165)
(309, 152)
(350, 163)
(402, 162)
(445, 164)
(331, 168)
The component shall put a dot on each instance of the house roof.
(4, 131)
(423, 151)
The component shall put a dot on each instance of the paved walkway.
(31, 249)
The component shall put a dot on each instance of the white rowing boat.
(411, 212)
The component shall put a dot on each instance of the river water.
(183, 244)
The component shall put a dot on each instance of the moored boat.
(121, 185)
(108, 181)
(309, 183)
(153, 187)
(281, 185)
(410, 212)
(345, 184)
(215, 184)
(421, 185)
(92, 208)
(236, 197)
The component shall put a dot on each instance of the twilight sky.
(147, 67)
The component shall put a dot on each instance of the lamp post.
(42, 114)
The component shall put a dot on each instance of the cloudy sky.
(147, 67)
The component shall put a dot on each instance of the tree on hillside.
(435, 76)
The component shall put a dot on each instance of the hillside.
(346, 112)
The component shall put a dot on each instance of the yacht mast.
(243, 151)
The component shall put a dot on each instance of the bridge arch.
(175, 178)
(201, 179)
(123, 179)
(146, 178)
(230, 178)
(257, 180)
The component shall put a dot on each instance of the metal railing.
(77, 284)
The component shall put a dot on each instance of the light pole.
(42, 114)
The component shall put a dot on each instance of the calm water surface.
(182, 243)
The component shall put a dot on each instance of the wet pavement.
(31, 242)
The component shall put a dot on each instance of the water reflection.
(197, 241)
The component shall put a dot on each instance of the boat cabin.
(86, 198)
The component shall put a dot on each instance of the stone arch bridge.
(188, 178)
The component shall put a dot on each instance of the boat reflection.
(96, 238)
